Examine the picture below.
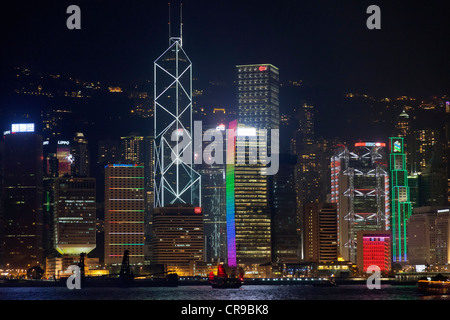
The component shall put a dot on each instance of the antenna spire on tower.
(181, 23)
(170, 35)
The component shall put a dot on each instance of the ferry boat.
(222, 281)
(439, 285)
(325, 282)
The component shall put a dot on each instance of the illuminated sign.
(197, 210)
(262, 68)
(370, 144)
(220, 127)
(22, 127)
(397, 146)
(64, 142)
(45, 143)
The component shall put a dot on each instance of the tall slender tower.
(401, 204)
(175, 180)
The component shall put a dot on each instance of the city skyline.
(93, 174)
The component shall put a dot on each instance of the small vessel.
(439, 285)
(325, 282)
(222, 280)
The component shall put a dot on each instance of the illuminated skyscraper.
(400, 199)
(75, 215)
(214, 205)
(178, 239)
(248, 190)
(22, 195)
(320, 226)
(80, 156)
(258, 95)
(176, 182)
(124, 213)
(360, 189)
(374, 249)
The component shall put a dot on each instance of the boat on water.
(325, 282)
(438, 285)
(223, 281)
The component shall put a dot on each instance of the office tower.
(109, 151)
(423, 145)
(400, 200)
(360, 189)
(64, 157)
(80, 155)
(374, 249)
(75, 215)
(55, 122)
(428, 236)
(433, 181)
(139, 149)
(214, 202)
(124, 213)
(249, 217)
(320, 229)
(132, 148)
(178, 240)
(285, 228)
(258, 95)
(22, 194)
(176, 181)
(403, 125)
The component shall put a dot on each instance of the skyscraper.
(249, 214)
(124, 213)
(320, 229)
(360, 189)
(178, 240)
(258, 95)
(285, 227)
(75, 215)
(374, 249)
(80, 156)
(176, 181)
(400, 199)
(22, 194)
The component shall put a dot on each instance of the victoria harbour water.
(250, 292)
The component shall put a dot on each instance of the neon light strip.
(126, 210)
(126, 177)
(231, 225)
(126, 222)
(126, 244)
(131, 255)
(126, 233)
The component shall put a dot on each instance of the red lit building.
(374, 248)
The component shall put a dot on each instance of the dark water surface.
(250, 292)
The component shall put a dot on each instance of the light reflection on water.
(250, 292)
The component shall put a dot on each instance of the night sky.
(324, 43)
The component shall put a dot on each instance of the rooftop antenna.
(170, 35)
(181, 23)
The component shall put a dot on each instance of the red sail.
(221, 271)
(211, 276)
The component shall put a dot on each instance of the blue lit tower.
(176, 182)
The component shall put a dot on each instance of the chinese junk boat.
(223, 281)
(439, 285)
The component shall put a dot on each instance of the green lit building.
(400, 198)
